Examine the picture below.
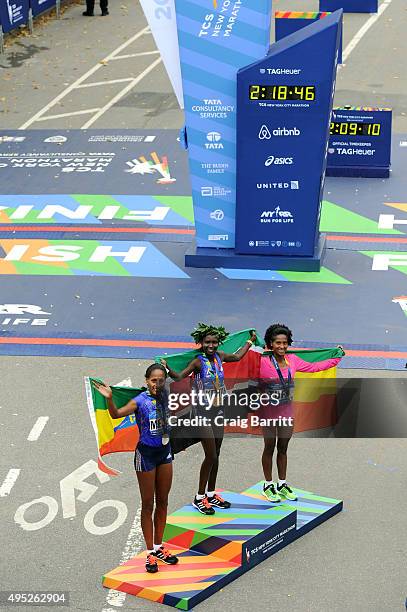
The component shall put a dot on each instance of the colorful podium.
(215, 550)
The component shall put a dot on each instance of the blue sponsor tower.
(283, 118)
(257, 124)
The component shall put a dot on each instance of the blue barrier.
(16, 13)
(40, 6)
(13, 14)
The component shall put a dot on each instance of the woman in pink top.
(277, 371)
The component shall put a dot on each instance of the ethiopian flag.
(112, 435)
(314, 396)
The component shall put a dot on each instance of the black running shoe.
(151, 564)
(87, 14)
(202, 505)
(218, 502)
(104, 13)
(164, 555)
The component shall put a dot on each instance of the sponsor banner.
(216, 38)
(86, 258)
(160, 15)
(146, 162)
(86, 209)
(360, 137)
(39, 6)
(284, 105)
(13, 13)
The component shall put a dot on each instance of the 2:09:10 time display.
(353, 128)
(282, 92)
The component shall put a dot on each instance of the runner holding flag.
(277, 372)
(209, 388)
(152, 460)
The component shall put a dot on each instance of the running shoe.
(164, 555)
(151, 564)
(271, 494)
(218, 502)
(202, 505)
(286, 492)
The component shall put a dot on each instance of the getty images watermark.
(217, 401)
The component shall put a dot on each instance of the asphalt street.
(355, 561)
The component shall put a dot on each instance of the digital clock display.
(282, 92)
(355, 129)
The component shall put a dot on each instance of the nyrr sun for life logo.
(276, 216)
(143, 166)
(214, 139)
(22, 314)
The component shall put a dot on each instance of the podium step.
(215, 550)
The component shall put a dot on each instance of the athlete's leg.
(218, 432)
(209, 447)
(146, 481)
(163, 481)
(269, 436)
(284, 434)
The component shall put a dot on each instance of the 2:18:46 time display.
(282, 92)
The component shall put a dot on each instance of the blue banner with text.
(216, 38)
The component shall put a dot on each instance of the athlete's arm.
(193, 366)
(319, 366)
(230, 357)
(115, 413)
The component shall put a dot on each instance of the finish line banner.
(216, 38)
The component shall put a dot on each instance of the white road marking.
(83, 78)
(97, 83)
(81, 112)
(119, 57)
(9, 482)
(121, 94)
(37, 428)
(360, 33)
(134, 543)
(133, 546)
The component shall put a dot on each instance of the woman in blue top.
(209, 380)
(152, 460)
